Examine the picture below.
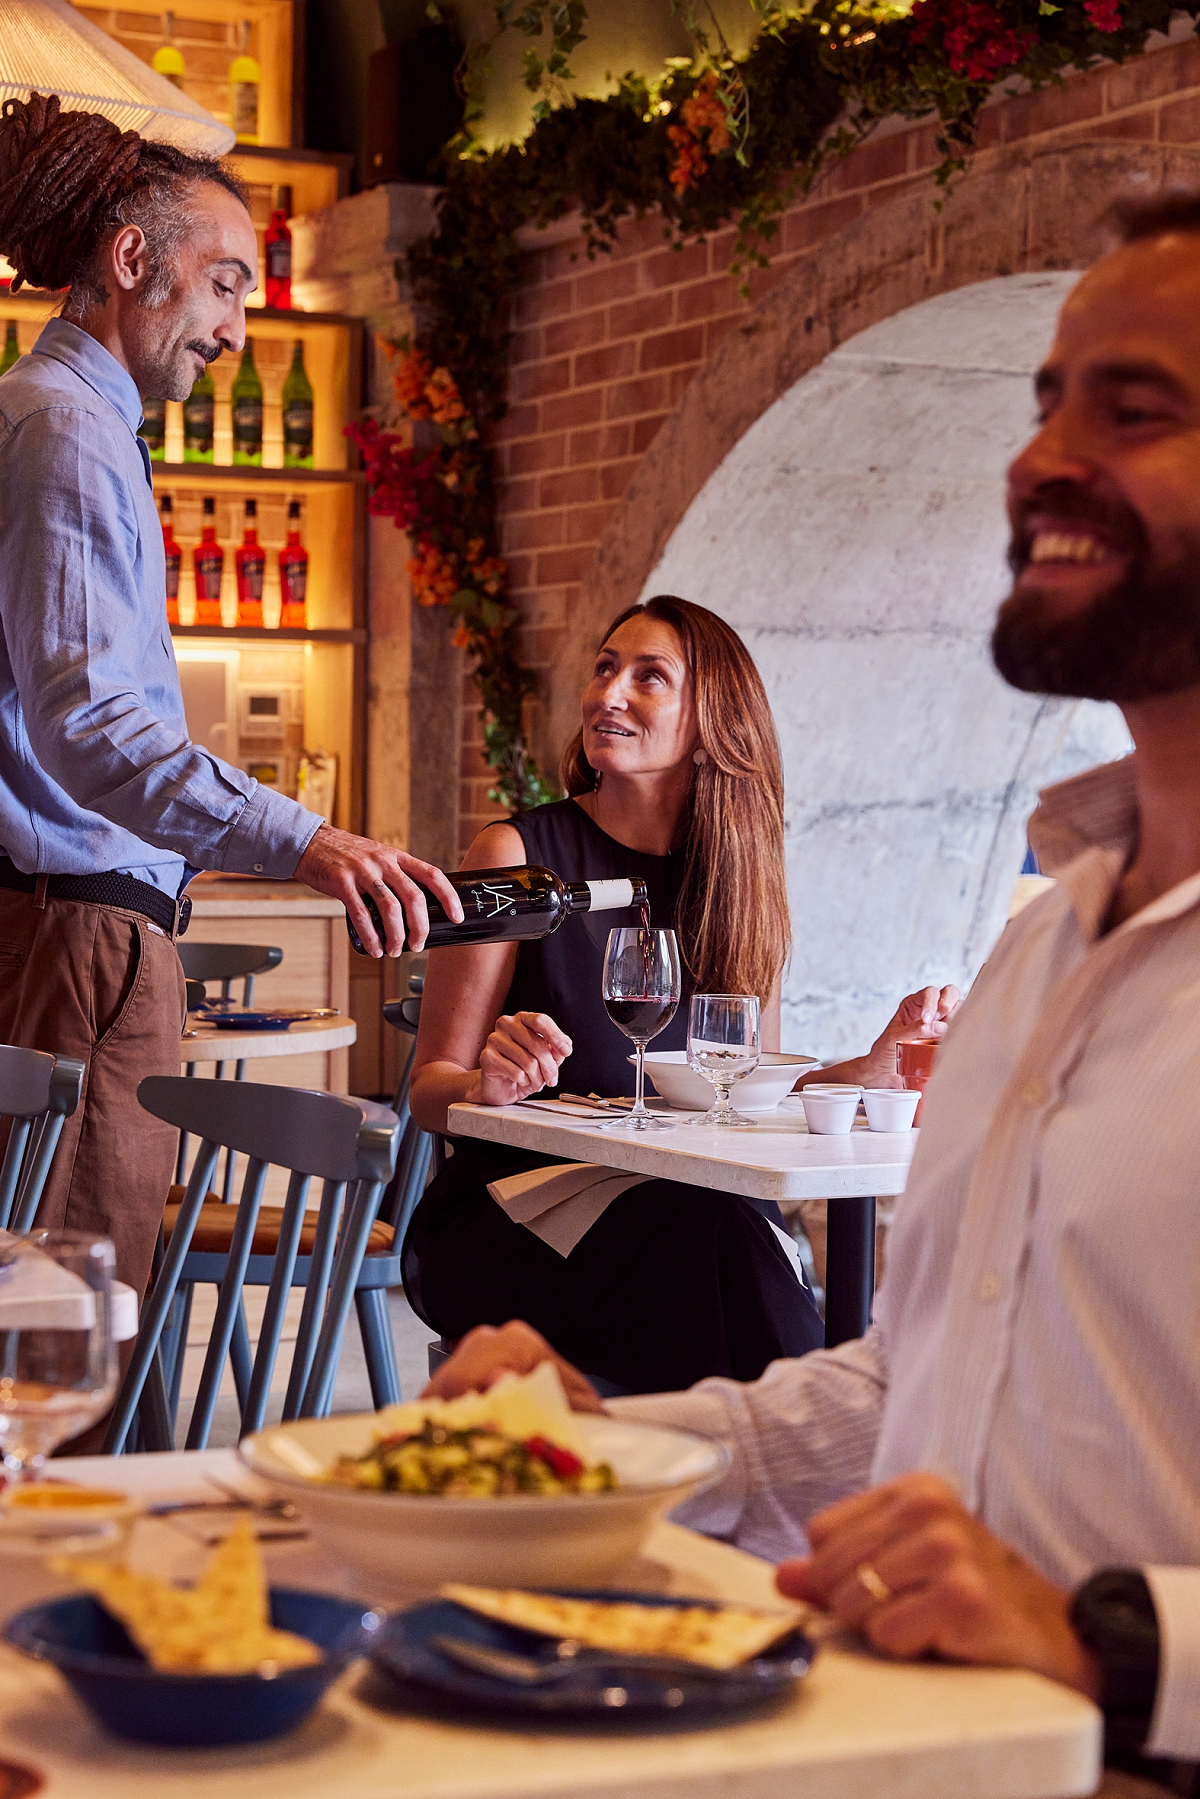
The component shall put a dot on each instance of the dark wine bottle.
(508, 905)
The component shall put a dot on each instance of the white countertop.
(857, 1728)
(205, 1043)
(778, 1159)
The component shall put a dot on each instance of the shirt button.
(1035, 1093)
(991, 1287)
(258, 868)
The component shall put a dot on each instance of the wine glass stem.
(640, 1104)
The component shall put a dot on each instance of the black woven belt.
(110, 889)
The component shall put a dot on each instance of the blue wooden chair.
(38, 1093)
(351, 1147)
(227, 963)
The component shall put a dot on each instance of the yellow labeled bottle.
(244, 78)
(168, 58)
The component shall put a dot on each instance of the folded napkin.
(560, 1204)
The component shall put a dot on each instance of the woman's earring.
(700, 758)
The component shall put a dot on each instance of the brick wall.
(602, 351)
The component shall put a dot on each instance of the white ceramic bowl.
(413, 1541)
(829, 1114)
(755, 1093)
(891, 1109)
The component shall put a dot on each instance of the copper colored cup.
(914, 1065)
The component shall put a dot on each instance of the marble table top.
(778, 1159)
(205, 1043)
(858, 1727)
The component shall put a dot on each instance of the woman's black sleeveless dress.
(672, 1282)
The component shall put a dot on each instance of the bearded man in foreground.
(1006, 1468)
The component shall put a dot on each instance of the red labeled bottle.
(174, 558)
(293, 575)
(209, 559)
(251, 561)
(278, 246)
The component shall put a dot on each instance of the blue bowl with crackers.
(181, 1710)
(222, 1661)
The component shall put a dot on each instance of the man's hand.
(521, 1056)
(345, 867)
(908, 1566)
(487, 1352)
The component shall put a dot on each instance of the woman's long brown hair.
(733, 922)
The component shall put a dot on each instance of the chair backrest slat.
(310, 1133)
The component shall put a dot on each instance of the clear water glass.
(724, 1045)
(641, 992)
(58, 1361)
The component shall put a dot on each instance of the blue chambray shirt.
(96, 770)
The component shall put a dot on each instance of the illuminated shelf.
(227, 471)
(264, 634)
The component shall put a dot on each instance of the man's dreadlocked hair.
(68, 178)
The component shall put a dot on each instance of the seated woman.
(674, 776)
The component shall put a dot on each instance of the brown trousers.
(103, 985)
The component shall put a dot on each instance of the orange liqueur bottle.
(251, 561)
(293, 574)
(174, 557)
(209, 560)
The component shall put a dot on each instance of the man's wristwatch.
(1113, 1615)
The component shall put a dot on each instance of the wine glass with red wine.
(641, 992)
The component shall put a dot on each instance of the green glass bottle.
(297, 414)
(247, 399)
(153, 428)
(198, 411)
(11, 347)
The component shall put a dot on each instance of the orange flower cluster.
(434, 576)
(489, 572)
(703, 117)
(425, 392)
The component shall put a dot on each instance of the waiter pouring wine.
(106, 808)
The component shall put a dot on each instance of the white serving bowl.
(414, 1541)
(755, 1093)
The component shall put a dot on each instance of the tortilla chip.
(219, 1626)
(720, 1638)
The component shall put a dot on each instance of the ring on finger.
(872, 1583)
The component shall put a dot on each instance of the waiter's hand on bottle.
(345, 867)
(522, 1055)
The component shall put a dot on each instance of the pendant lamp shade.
(47, 47)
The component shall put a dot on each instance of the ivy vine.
(713, 138)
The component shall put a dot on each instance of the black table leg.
(849, 1268)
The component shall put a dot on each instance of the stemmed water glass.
(724, 1043)
(641, 992)
(58, 1361)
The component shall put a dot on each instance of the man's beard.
(1139, 639)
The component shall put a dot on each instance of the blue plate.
(191, 1711)
(404, 1650)
(279, 1020)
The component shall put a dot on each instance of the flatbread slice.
(723, 1638)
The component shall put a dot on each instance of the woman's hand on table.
(523, 1054)
(487, 1352)
(908, 1566)
(923, 1014)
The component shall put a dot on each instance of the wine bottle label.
(208, 570)
(609, 896)
(248, 426)
(198, 422)
(245, 108)
(279, 260)
(295, 582)
(252, 577)
(298, 428)
(173, 575)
